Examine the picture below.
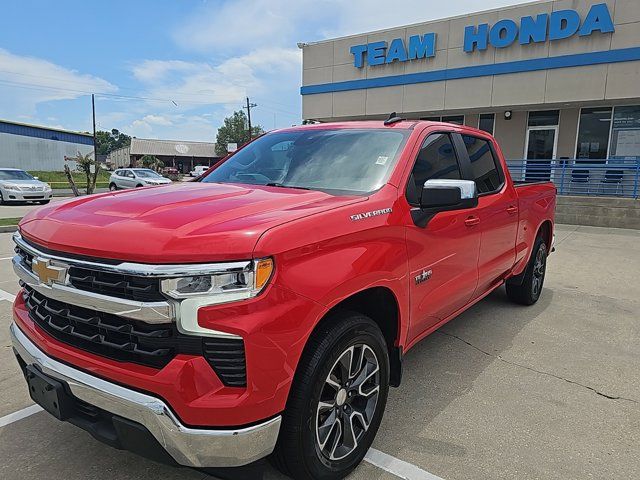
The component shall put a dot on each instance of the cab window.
(437, 159)
(484, 167)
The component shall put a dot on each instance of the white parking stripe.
(19, 415)
(397, 467)
(393, 465)
(6, 258)
(9, 297)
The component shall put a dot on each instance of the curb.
(8, 228)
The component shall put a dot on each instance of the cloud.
(233, 25)
(27, 81)
(173, 127)
(194, 84)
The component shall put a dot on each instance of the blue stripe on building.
(520, 66)
(44, 133)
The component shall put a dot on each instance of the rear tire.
(336, 401)
(529, 291)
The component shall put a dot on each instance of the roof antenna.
(393, 118)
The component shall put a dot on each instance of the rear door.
(497, 212)
(443, 256)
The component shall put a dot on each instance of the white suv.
(135, 178)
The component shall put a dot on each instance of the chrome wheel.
(347, 402)
(539, 267)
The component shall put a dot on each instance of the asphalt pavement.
(501, 392)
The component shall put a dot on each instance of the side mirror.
(444, 195)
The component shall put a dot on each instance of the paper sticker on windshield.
(382, 160)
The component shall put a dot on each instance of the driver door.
(443, 255)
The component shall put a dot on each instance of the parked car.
(265, 309)
(198, 170)
(135, 178)
(18, 186)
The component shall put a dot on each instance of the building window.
(625, 133)
(455, 119)
(487, 122)
(593, 134)
(544, 118)
(483, 165)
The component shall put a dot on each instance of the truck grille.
(109, 335)
(125, 340)
(141, 289)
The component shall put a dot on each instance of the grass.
(58, 180)
(9, 221)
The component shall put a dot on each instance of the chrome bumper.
(193, 447)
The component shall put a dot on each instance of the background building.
(554, 79)
(31, 147)
(177, 154)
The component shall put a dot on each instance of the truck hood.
(188, 223)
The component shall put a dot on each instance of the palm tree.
(152, 162)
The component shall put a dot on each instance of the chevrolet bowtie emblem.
(46, 272)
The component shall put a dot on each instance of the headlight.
(47, 188)
(225, 286)
(14, 188)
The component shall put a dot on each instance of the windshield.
(15, 175)
(345, 160)
(144, 173)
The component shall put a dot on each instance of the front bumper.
(25, 196)
(193, 447)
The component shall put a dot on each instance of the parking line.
(9, 297)
(19, 415)
(393, 465)
(6, 258)
(397, 467)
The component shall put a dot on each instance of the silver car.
(135, 178)
(18, 186)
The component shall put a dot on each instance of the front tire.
(113, 187)
(44, 202)
(528, 292)
(337, 400)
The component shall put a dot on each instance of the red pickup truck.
(265, 309)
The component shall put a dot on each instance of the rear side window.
(437, 159)
(484, 167)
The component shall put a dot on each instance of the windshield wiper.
(282, 185)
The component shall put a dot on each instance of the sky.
(175, 69)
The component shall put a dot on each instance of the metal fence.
(612, 178)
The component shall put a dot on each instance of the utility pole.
(93, 108)
(249, 106)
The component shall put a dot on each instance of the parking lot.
(503, 391)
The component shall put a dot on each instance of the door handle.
(472, 221)
(512, 210)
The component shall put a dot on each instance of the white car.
(135, 178)
(198, 170)
(18, 186)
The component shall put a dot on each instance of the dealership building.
(550, 79)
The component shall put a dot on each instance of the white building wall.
(30, 153)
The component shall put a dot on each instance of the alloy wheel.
(539, 267)
(347, 402)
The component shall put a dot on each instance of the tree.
(152, 162)
(107, 142)
(87, 165)
(235, 130)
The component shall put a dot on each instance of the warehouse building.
(182, 155)
(551, 79)
(31, 147)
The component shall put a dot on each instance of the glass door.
(541, 147)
